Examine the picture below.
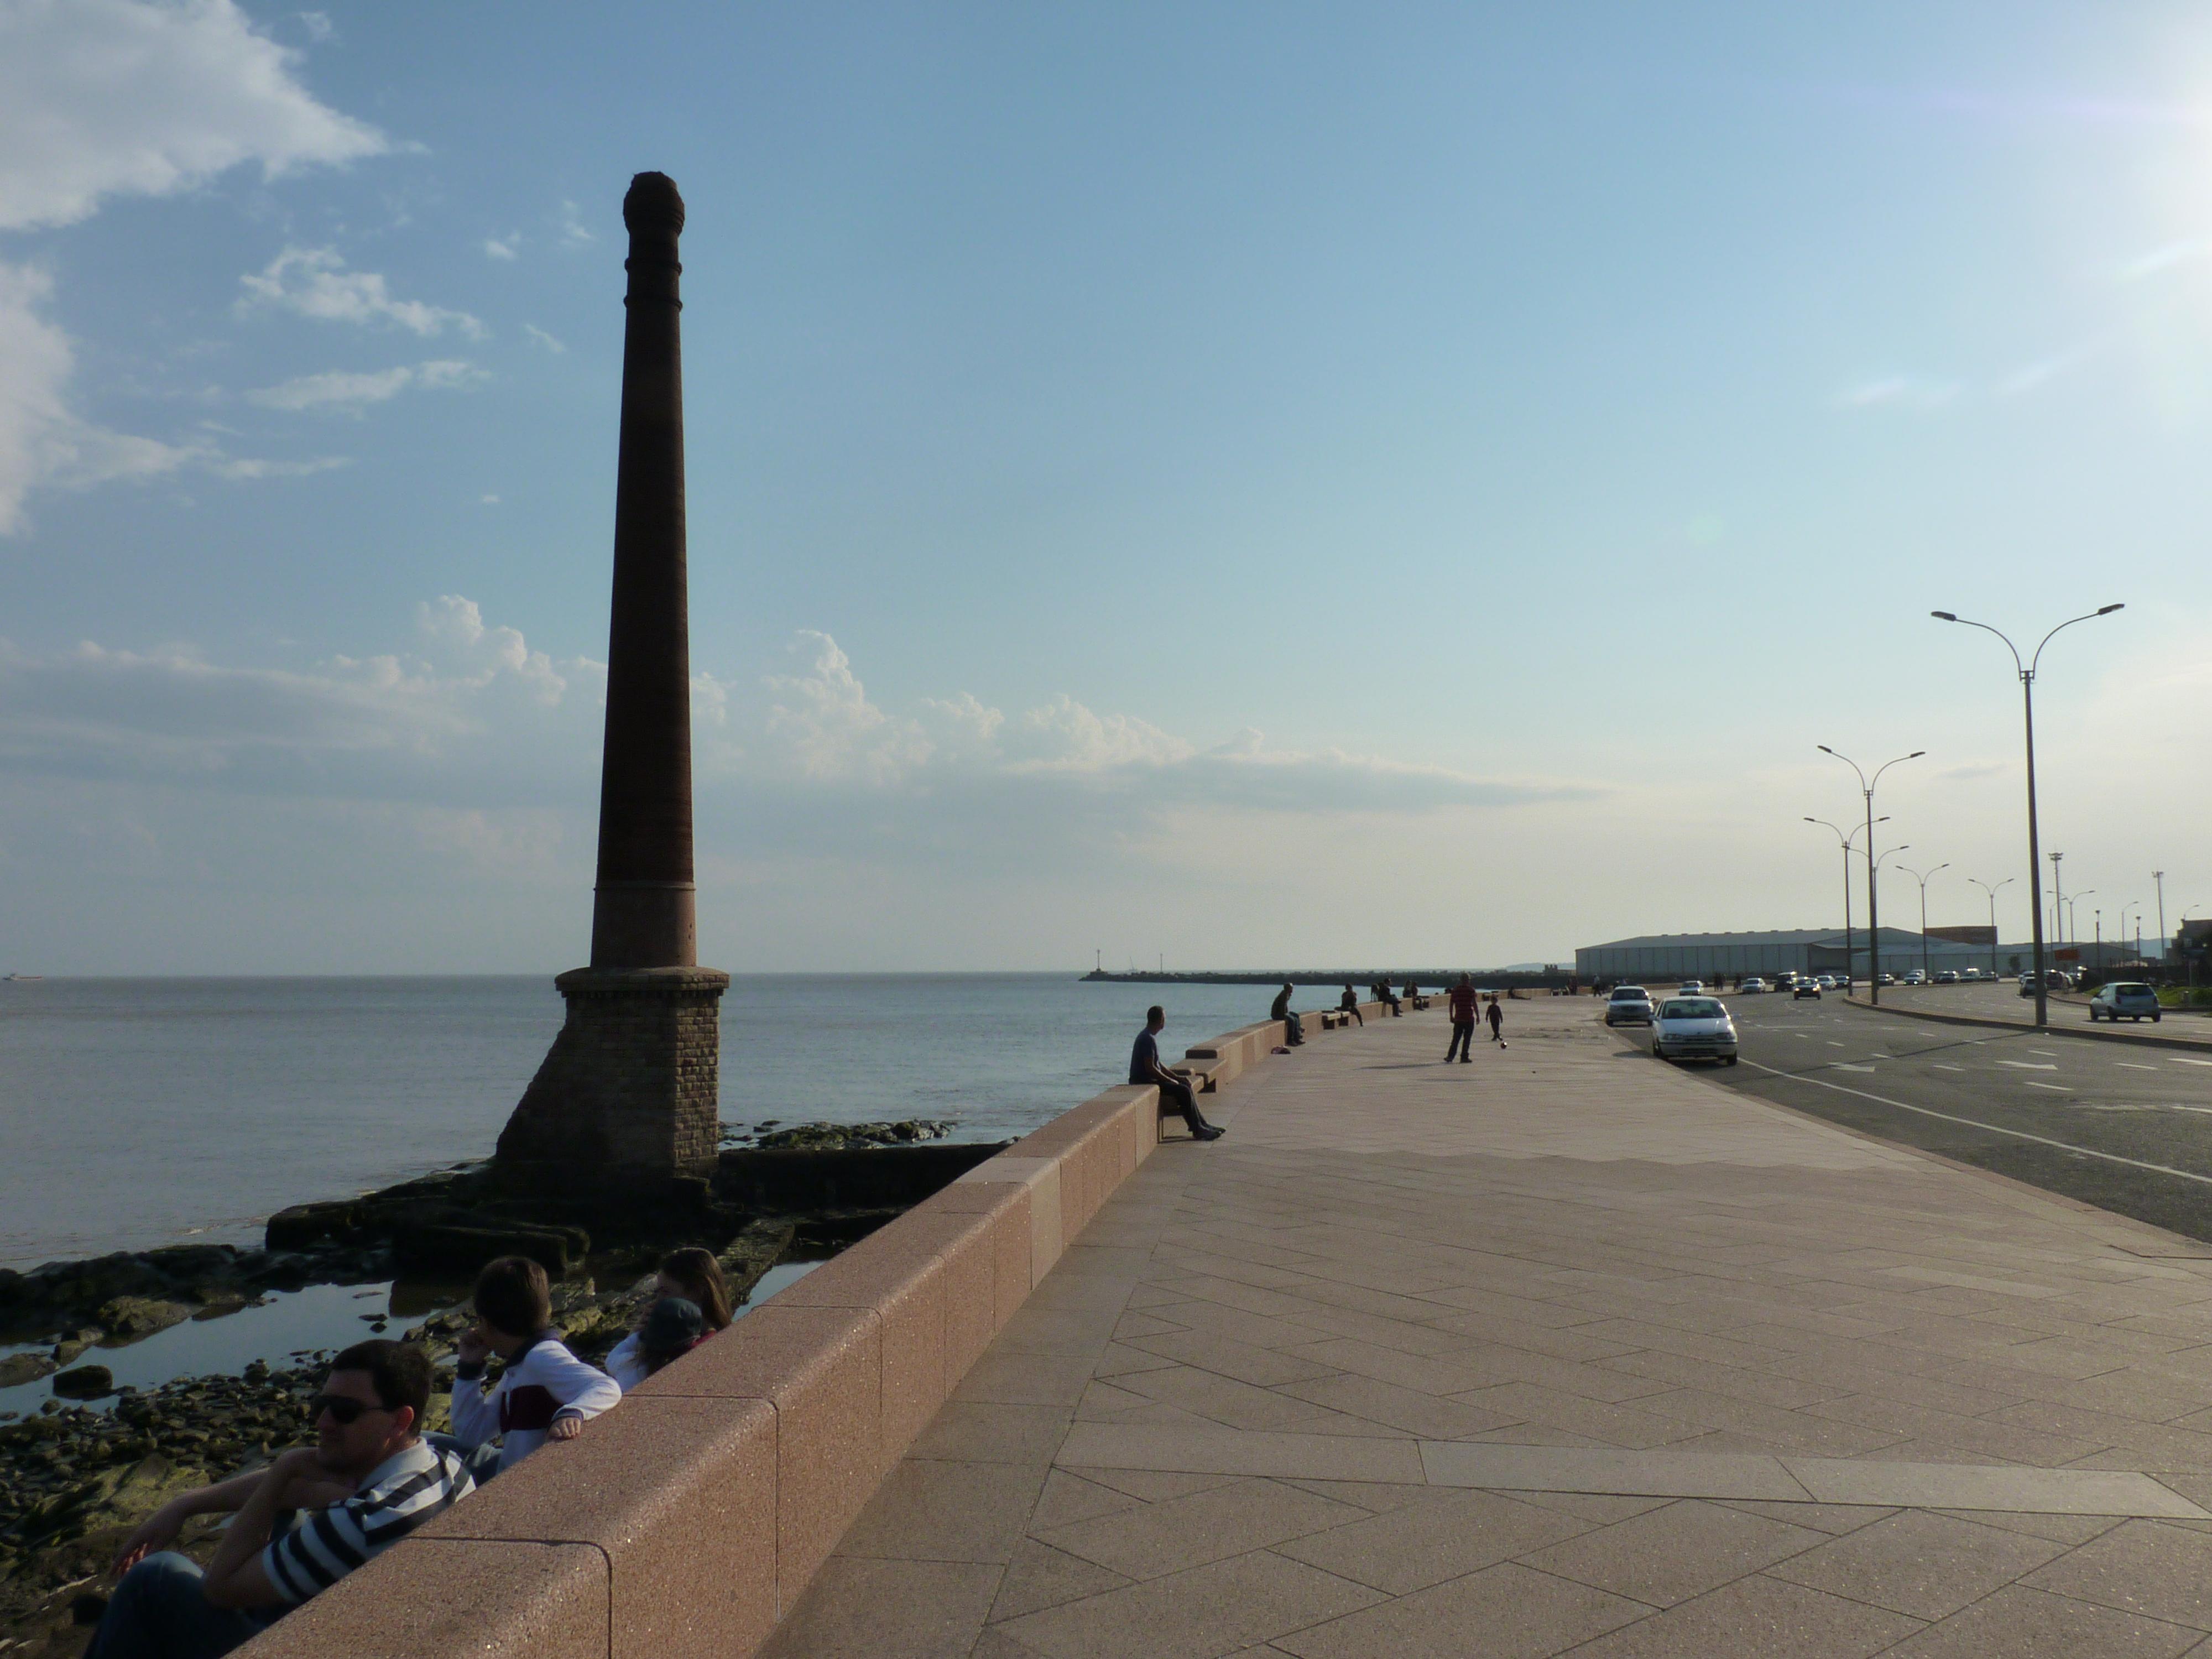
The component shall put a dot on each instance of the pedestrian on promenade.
(1293, 1027)
(1349, 1003)
(1144, 1067)
(1462, 1021)
(1497, 1022)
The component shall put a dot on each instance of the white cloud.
(1901, 391)
(317, 25)
(349, 392)
(102, 98)
(497, 247)
(828, 727)
(570, 223)
(315, 283)
(538, 336)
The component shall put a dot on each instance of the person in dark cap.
(672, 1330)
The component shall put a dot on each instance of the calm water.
(140, 1112)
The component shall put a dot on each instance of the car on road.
(1970, 974)
(2052, 980)
(1694, 1028)
(1691, 988)
(1947, 976)
(1889, 979)
(2123, 999)
(1752, 987)
(1806, 987)
(1917, 976)
(1786, 980)
(1629, 1005)
(1826, 981)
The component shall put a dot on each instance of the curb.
(2087, 1034)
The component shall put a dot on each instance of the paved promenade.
(1563, 1351)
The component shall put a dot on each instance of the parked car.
(1691, 988)
(1806, 987)
(1917, 976)
(1889, 979)
(1786, 980)
(1629, 1005)
(1970, 974)
(2052, 980)
(1751, 986)
(1826, 981)
(2123, 998)
(1947, 976)
(1694, 1028)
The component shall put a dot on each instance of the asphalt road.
(2126, 1129)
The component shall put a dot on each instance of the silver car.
(1629, 1005)
(1694, 1028)
(2123, 999)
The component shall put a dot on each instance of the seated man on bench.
(1176, 1093)
(1294, 1030)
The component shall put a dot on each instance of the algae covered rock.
(85, 1382)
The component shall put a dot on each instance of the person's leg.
(1297, 1029)
(1178, 1097)
(158, 1611)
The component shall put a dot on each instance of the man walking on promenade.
(1497, 1021)
(1293, 1028)
(1144, 1067)
(1462, 1021)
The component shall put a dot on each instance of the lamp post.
(2074, 932)
(2057, 899)
(2134, 905)
(1873, 911)
(2158, 876)
(1923, 880)
(2027, 672)
(1992, 892)
(1846, 841)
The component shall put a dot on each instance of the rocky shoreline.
(74, 1480)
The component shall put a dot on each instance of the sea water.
(138, 1112)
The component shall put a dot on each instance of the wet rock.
(18, 1368)
(837, 1137)
(67, 1350)
(141, 1316)
(85, 1382)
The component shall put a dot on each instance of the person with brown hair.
(543, 1392)
(691, 1276)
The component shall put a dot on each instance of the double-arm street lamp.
(2073, 930)
(1923, 880)
(1874, 912)
(1845, 841)
(1992, 892)
(2027, 703)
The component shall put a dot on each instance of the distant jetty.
(1549, 977)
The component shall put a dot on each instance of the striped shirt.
(397, 1496)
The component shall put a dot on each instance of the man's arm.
(236, 1579)
(158, 1530)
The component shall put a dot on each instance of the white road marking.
(2133, 1067)
(2048, 1053)
(1940, 1067)
(1833, 1043)
(2056, 1088)
(1845, 1066)
(1995, 1129)
(2026, 1065)
(2179, 1061)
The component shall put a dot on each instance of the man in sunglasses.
(368, 1481)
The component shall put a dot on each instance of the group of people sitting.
(374, 1474)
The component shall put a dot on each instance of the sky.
(1244, 485)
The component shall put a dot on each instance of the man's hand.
(471, 1347)
(156, 1532)
(565, 1428)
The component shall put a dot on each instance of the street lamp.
(2073, 933)
(2027, 672)
(1874, 913)
(2158, 876)
(2057, 899)
(1923, 880)
(1846, 841)
(1992, 892)
(2134, 905)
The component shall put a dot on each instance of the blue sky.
(1256, 484)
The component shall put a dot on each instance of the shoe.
(1210, 1132)
(1467, 1059)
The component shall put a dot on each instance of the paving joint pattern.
(1561, 1351)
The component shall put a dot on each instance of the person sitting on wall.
(543, 1392)
(1349, 1003)
(1293, 1027)
(368, 1481)
(1388, 998)
(1176, 1093)
(690, 1275)
(673, 1327)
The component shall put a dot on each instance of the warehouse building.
(1805, 949)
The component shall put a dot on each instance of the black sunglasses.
(345, 1411)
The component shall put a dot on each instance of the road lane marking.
(1833, 1043)
(2026, 1065)
(2055, 1088)
(2179, 1061)
(1845, 1066)
(2135, 1066)
(2048, 1053)
(1995, 1129)
(1940, 1067)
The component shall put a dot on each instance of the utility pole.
(2058, 900)
(2158, 876)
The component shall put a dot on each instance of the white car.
(1947, 976)
(1694, 1028)
(1917, 976)
(1826, 981)
(1629, 1005)
(2123, 999)
(1753, 987)
(1691, 988)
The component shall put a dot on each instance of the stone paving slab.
(1559, 1351)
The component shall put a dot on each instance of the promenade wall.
(690, 1520)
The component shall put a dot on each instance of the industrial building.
(1805, 949)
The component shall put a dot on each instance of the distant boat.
(25, 979)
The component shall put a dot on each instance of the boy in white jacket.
(544, 1393)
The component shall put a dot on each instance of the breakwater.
(1549, 978)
